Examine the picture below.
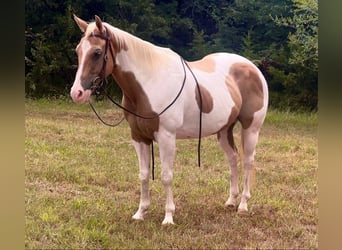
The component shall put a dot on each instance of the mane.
(146, 54)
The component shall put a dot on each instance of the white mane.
(142, 52)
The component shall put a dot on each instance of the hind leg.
(249, 142)
(226, 140)
(249, 138)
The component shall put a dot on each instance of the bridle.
(101, 78)
(97, 82)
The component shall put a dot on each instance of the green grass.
(82, 186)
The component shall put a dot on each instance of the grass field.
(82, 186)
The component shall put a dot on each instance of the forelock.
(91, 29)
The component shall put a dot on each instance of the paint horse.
(229, 89)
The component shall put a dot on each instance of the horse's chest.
(142, 130)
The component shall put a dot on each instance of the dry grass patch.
(82, 186)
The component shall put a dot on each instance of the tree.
(242, 18)
(303, 41)
(299, 80)
(49, 48)
(284, 47)
(199, 46)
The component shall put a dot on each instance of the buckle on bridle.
(96, 85)
(97, 82)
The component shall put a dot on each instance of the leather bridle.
(97, 82)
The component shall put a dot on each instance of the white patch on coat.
(76, 87)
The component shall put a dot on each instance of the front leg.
(143, 152)
(167, 148)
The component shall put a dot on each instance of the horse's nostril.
(80, 93)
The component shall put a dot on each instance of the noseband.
(97, 82)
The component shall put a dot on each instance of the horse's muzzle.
(80, 95)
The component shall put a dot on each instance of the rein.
(102, 77)
(154, 116)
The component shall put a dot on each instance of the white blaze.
(77, 88)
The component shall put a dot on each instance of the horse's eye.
(97, 54)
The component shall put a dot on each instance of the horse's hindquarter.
(232, 88)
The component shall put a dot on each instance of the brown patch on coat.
(93, 63)
(249, 84)
(135, 100)
(206, 64)
(207, 99)
(230, 126)
(237, 99)
(231, 123)
(234, 92)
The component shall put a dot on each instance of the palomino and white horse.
(225, 87)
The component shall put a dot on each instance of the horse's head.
(95, 59)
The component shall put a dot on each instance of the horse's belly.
(210, 125)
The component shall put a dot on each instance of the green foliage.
(248, 48)
(279, 36)
(49, 50)
(199, 46)
(303, 41)
(299, 78)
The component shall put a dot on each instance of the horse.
(162, 100)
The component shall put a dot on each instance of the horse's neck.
(140, 63)
(143, 57)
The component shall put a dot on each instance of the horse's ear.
(99, 24)
(81, 24)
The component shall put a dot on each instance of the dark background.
(191, 28)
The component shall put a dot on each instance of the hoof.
(167, 225)
(230, 206)
(242, 212)
(137, 217)
(167, 222)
